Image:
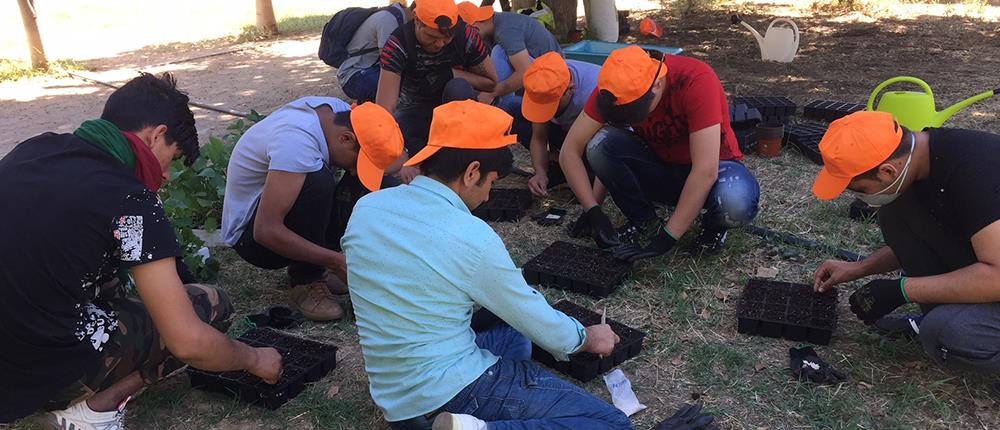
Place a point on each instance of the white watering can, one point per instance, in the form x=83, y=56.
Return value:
x=778, y=43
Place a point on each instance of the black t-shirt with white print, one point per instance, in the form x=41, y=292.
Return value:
x=71, y=216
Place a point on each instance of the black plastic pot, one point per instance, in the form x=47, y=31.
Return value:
x=576, y=268
x=304, y=361
x=828, y=110
x=791, y=311
x=585, y=366
x=505, y=204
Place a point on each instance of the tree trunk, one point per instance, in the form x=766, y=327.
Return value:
x=521, y=4
x=265, y=18
x=565, y=15
x=28, y=17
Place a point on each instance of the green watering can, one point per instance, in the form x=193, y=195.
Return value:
x=916, y=110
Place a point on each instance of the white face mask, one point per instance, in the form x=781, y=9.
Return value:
x=882, y=198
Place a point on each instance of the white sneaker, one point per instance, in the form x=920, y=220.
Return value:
x=81, y=417
x=450, y=421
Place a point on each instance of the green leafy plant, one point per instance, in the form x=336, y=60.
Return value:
x=192, y=199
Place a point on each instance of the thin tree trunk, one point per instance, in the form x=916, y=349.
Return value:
x=30, y=21
x=265, y=18
x=521, y=4
x=565, y=15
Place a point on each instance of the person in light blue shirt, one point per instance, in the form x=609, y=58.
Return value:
x=418, y=264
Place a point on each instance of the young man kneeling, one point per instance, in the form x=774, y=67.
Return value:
x=418, y=263
x=76, y=338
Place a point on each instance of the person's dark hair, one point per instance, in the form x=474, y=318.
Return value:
x=148, y=101
x=343, y=119
x=445, y=26
x=449, y=164
x=630, y=113
x=902, y=149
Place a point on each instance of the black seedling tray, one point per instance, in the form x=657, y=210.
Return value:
x=505, y=204
x=775, y=109
x=806, y=136
x=303, y=360
x=743, y=116
x=861, y=211
x=791, y=311
x=576, y=268
x=585, y=366
x=828, y=110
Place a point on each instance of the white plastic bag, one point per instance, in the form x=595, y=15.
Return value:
x=621, y=392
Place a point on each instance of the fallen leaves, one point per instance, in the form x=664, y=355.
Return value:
x=759, y=366
x=705, y=314
x=767, y=272
x=333, y=391
x=677, y=361
x=722, y=296
x=862, y=385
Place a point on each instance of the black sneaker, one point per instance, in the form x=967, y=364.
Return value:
x=711, y=240
x=898, y=326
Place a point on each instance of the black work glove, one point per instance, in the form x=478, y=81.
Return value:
x=660, y=243
x=595, y=223
x=689, y=417
x=808, y=367
x=877, y=299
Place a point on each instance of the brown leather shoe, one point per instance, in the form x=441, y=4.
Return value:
x=315, y=302
x=334, y=284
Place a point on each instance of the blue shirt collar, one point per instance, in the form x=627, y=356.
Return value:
x=440, y=189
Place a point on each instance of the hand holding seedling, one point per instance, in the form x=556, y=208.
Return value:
x=539, y=184
x=601, y=340
x=877, y=299
x=266, y=365
x=833, y=272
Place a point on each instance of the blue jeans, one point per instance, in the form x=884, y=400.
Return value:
x=517, y=394
x=363, y=84
x=636, y=177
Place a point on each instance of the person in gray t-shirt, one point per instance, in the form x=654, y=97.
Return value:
x=358, y=75
x=517, y=40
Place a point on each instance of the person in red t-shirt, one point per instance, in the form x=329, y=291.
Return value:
x=657, y=130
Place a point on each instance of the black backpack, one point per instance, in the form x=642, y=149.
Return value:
x=337, y=33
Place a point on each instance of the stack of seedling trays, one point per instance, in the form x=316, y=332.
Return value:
x=505, y=204
x=772, y=109
x=827, y=110
x=806, y=136
x=577, y=268
x=303, y=361
x=791, y=311
x=744, y=120
x=585, y=366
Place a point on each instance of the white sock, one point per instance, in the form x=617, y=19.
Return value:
x=469, y=422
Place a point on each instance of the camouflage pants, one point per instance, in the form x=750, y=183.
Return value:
x=137, y=347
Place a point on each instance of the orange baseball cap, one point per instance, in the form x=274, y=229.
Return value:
x=466, y=124
x=472, y=14
x=628, y=73
x=380, y=140
x=545, y=82
x=428, y=11
x=854, y=145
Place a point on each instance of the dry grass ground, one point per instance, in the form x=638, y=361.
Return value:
x=686, y=303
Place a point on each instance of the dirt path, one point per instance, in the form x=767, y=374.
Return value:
x=255, y=75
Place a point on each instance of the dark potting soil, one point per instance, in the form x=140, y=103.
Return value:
x=303, y=361
x=792, y=311
x=576, y=268
x=505, y=204
x=586, y=366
